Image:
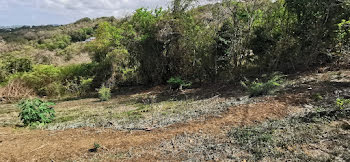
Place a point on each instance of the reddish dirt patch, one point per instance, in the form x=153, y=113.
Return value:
x=41, y=145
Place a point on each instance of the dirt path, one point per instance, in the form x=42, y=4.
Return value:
x=41, y=145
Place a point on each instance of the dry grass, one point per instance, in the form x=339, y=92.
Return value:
x=192, y=125
x=74, y=143
x=14, y=91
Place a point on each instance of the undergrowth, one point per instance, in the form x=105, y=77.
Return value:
x=265, y=86
x=286, y=139
x=104, y=93
x=36, y=112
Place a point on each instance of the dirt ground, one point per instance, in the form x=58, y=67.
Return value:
x=209, y=121
x=41, y=145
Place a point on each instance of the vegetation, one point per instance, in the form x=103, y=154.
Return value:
x=177, y=83
x=36, y=112
x=95, y=148
x=214, y=46
x=342, y=103
x=224, y=41
x=104, y=93
x=258, y=88
x=284, y=139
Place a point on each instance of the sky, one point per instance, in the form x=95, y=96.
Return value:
x=43, y=12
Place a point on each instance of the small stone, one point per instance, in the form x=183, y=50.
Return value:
x=148, y=129
x=308, y=106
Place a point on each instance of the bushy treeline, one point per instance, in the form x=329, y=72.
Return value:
x=223, y=41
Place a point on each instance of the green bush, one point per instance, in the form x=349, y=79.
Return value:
x=79, y=70
x=57, y=42
x=15, y=65
x=36, y=112
x=52, y=81
x=178, y=83
x=70, y=51
x=342, y=103
x=79, y=86
x=45, y=79
x=259, y=88
x=12, y=65
x=81, y=34
x=3, y=73
x=104, y=93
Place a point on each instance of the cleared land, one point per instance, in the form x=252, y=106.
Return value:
x=212, y=123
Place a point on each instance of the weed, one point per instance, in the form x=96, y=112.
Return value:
x=342, y=103
x=317, y=97
x=177, y=83
x=36, y=112
x=66, y=119
x=285, y=139
x=259, y=88
x=258, y=142
x=104, y=93
x=95, y=148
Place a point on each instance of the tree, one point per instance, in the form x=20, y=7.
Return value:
x=108, y=51
x=315, y=26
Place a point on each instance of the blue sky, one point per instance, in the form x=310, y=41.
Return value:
x=41, y=12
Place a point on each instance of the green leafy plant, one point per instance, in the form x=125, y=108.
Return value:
x=95, y=148
x=36, y=111
x=178, y=83
x=259, y=88
x=342, y=103
x=104, y=93
x=317, y=97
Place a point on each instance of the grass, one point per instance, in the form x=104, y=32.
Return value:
x=66, y=119
x=318, y=137
x=120, y=110
x=134, y=114
x=296, y=138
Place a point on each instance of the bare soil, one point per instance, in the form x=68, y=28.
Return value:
x=41, y=145
x=194, y=124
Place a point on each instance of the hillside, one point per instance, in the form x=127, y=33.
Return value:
x=212, y=123
x=232, y=81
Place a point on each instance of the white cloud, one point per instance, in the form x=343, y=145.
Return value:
x=85, y=8
x=96, y=8
x=67, y=11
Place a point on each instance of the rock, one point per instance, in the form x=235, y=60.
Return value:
x=308, y=106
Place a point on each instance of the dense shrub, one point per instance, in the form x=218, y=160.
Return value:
x=79, y=86
x=45, y=79
x=216, y=42
x=36, y=112
x=343, y=39
x=104, y=93
x=79, y=70
x=258, y=88
x=81, y=34
x=48, y=80
x=70, y=51
x=178, y=83
x=83, y=20
x=3, y=72
x=15, y=65
x=11, y=65
x=57, y=42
